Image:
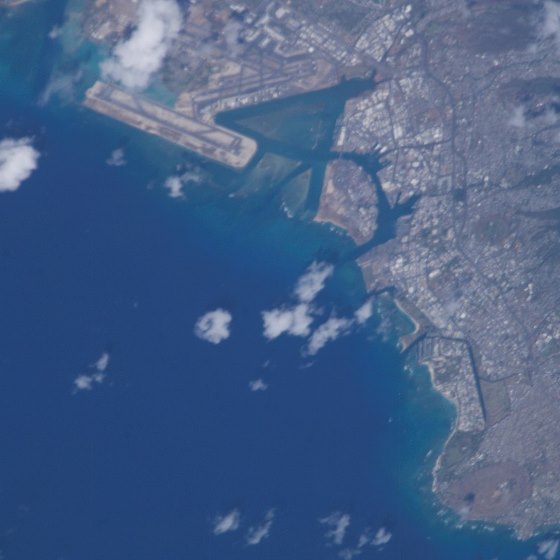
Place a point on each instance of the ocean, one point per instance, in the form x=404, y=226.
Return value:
x=98, y=259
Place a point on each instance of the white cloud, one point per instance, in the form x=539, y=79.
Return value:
x=313, y=281
x=365, y=538
x=548, y=549
x=226, y=523
x=551, y=24
x=18, y=159
x=260, y=532
x=103, y=361
x=55, y=32
x=83, y=382
x=368, y=538
x=330, y=330
x=277, y=322
x=214, y=326
x=137, y=59
x=175, y=183
x=365, y=312
x=86, y=381
x=175, y=186
x=301, y=320
x=258, y=385
x=294, y=320
x=338, y=523
x=517, y=120
x=297, y=319
x=116, y=159
x=382, y=537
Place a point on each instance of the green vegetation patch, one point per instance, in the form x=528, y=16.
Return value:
x=459, y=448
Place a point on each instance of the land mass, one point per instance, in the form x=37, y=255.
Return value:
x=465, y=116
x=209, y=140
x=224, y=58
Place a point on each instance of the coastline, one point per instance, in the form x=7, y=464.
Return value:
x=410, y=316
x=404, y=343
x=459, y=471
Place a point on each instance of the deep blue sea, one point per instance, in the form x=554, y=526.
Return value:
x=97, y=259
